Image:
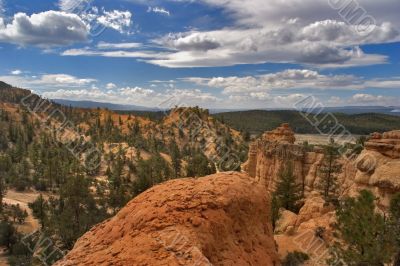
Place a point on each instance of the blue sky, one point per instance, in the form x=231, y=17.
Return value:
x=212, y=53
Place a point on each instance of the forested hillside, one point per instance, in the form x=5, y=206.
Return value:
x=257, y=122
x=85, y=164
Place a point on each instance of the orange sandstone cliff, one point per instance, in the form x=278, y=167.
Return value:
x=272, y=152
x=222, y=219
x=377, y=169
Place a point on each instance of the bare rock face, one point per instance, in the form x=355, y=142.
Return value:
x=281, y=134
x=387, y=144
x=272, y=152
x=378, y=167
x=220, y=219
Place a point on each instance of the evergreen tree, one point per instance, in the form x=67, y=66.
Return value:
x=275, y=214
x=40, y=210
x=288, y=192
x=76, y=210
x=395, y=220
x=3, y=185
x=176, y=159
x=367, y=237
x=199, y=165
x=329, y=170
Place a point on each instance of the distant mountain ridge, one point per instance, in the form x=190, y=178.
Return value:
x=123, y=107
x=110, y=106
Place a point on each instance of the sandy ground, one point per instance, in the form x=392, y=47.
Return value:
x=23, y=198
x=31, y=224
x=305, y=242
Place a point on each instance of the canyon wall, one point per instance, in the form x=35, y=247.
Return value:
x=377, y=169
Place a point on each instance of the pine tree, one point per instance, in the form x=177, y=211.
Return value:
x=76, y=210
x=367, y=237
x=40, y=210
x=288, y=192
x=275, y=214
x=329, y=170
x=176, y=159
x=199, y=165
x=395, y=220
x=4, y=166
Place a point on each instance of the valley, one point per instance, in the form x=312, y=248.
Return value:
x=71, y=176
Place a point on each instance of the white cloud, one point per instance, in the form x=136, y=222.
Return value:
x=116, y=19
x=48, y=81
x=46, y=29
x=111, y=86
x=16, y=72
x=115, y=53
x=371, y=99
x=326, y=44
x=289, y=100
x=293, y=79
x=288, y=79
x=135, y=95
x=159, y=10
x=74, y=6
x=63, y=80
x=97, y=19
x=334, y=100
x=258, y=13
x=129, y=45
x=308, y=33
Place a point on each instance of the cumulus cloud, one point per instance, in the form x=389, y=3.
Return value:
x=289, y=100
x=190, y=42
x=116, y=19
x=373, y=99
x=16, y=72
x=134, y=95
x=110, y=86
x=63, y=80
x=310, y=33
x=324, y=43
x=257, y=13
x=288, y=79
x=327, y=44
x=46, y=29
x=47, y=81
x=97, y=19
x=362, y=98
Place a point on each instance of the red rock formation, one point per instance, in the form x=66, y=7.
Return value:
x=215, y=220
x=387, y=144
x=274, y=151
x=378, y=167
x=281, y=134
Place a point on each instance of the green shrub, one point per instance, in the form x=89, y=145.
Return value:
x=295, y=258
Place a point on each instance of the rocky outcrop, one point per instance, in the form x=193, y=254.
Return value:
x=387, y=144
x=378, y=167
x=275, y=150
x=283, y=134
x=215, y=220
